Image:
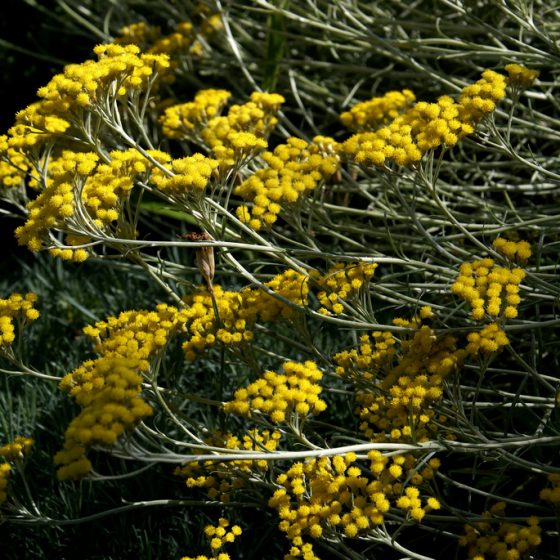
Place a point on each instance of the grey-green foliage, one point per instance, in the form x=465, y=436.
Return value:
x=324, y=56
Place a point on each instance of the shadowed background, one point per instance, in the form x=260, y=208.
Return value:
x=32, y=49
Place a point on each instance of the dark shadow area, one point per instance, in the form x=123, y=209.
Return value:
x=33, y=47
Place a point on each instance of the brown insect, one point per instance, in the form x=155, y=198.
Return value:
x=204, y=257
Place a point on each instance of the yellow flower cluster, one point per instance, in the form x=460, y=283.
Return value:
x=404, y=409
x=108, y=389
x=519, y=76
x=17, y=449
x=188, y=119
x=231, y=139
x=510, y=541
x=479, y=99
x=489, y=339
x=119, y=70
x=231, y=147
x=34, y=127
x=323, y=495
x=177, y=43
x=410, y=503
x=489, y=289
x=514, y=251
x=340, y=283
x=14, y=166
x=292, y=169
x=14, y=451
x=372, y=114
x=257, y=115
x=183, y=40
x=56, y=203
x=191, y=174
x=240, y=135
x=4, y=476
x=426, y=126
x=141, y=34
x=218, y=536
x=79, y=254
x=16, y=307
x=238, y=311
x=397, y=391
x=391, y=143
x=280, y=396
x=375, y=355
x=211, y=22
x=231, y=327
x=332, y=495
x=552, y=494
x=13, y=172
x=290, y=284
x=133, y=335
x=492, y=291
x=401, y=479
x=106, y=190
x=221, y=479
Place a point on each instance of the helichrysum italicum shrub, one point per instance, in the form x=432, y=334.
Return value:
x=365, y=307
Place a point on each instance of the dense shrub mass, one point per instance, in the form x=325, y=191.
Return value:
x=295, y=285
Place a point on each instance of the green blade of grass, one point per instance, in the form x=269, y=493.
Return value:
x=275, y=47
x=167, y=211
